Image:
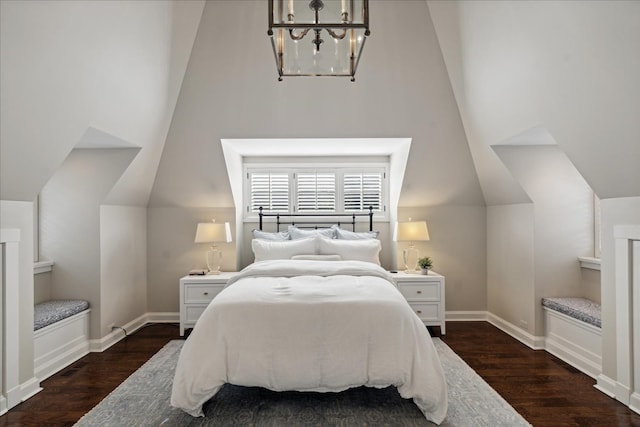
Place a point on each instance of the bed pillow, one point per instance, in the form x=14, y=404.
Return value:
x=259, y=234
x=352, y=250
x=350, y=235
x=318, y=257
x=282, y=249
x=299, y=233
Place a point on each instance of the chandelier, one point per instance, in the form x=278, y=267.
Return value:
x=318, y=38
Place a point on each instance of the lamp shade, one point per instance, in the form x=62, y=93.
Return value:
x=212, y=232
x=411, y=231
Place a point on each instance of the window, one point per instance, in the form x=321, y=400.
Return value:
x=309, y=189
x=361, y=190
x=315, y=191
x=269, y=191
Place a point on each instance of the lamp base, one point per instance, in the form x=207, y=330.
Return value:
x=214, y=259
x=410, y=257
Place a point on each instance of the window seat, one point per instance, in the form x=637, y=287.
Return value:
x=582, y=309
x=61, y=335
x=572, y=330
x=49, y=312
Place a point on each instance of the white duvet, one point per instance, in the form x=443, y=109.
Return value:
x=321, y=326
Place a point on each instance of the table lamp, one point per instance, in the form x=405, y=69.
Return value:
x=213, y=232
x=411, y=231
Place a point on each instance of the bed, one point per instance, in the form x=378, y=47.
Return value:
x=301, y=318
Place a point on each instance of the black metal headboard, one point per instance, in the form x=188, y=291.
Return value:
x=314, y=224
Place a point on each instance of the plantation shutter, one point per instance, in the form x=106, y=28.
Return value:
x=361, y=190
x=269, y=190
x=316, y=192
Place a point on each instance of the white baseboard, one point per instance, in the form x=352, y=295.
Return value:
x=466, y=316
x=101, y=344
x=634, y=403
x=163, y=317
x=532, y=341
x=20, y=393
x=30, y=388
x=606, y=385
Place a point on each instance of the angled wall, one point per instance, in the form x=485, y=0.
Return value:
x=70, y=223
x=558, y=225
x=231, y=91
x=68, y=65
x=570, y=67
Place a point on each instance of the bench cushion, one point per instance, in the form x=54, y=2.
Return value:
x=579, y=308
x=50, y=312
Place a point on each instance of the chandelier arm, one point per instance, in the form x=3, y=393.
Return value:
x=299, y=36
x=336, y=35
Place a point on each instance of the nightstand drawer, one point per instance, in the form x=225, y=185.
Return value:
x=423, y=291
x=193, y=312
x=426, y=312
x=200, y=294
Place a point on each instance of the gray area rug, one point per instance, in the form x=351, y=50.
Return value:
x=143, y=400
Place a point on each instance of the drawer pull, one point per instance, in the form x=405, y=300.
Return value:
x=419, y=311
x=206, y=293
x=419, y=292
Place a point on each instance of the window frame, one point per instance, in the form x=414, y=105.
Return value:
x=338, y=168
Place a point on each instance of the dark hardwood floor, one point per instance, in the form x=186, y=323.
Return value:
x=545, y=390
x=541, y=387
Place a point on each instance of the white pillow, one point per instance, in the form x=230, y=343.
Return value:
x=317, y=257
x=259, y=234
x=298, y=233
x=282, y=249
x=352, y=250
x=350, y=235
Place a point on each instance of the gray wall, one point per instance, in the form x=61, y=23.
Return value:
x=70, y=224
x=231, y=91
x=66, y=67
x=172, y=253
x=123, y=265
x=515, y=66
x=563, y=224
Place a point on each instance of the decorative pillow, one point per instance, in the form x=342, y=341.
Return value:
x=282, y=249
x=259, y=234
x=350, y=235
x=299, y=233
x=318, y=257
x=352, y=250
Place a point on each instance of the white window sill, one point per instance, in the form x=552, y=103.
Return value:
x=589, y=262
x=42, y=267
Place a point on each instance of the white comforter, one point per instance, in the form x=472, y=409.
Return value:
x=310, y=326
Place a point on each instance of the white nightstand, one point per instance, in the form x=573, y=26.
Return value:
x=425, y=295
x=196, y=292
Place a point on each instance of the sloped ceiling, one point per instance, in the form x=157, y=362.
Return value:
x=569, y=67
x=71, y=66
x=231, y=90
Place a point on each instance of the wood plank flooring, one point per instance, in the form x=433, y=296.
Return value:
x=545, y=390
x=541, y=387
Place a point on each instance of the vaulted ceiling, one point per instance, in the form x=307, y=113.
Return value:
x=174, y=78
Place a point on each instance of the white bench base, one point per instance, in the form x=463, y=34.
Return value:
x=574, y=341
x=60, y=344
